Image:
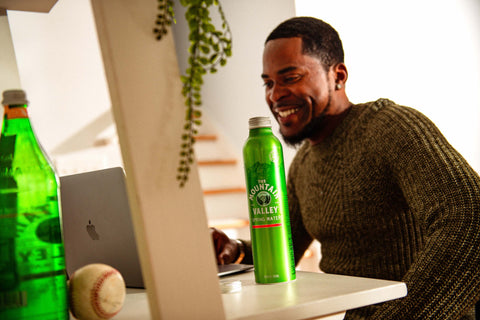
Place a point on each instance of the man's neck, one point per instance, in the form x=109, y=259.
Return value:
x=332, y=122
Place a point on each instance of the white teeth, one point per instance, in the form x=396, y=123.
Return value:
x=288, y=112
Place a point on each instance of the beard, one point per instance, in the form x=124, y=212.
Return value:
x=309, y=130
x=315, y=125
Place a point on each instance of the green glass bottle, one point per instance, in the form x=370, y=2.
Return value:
x=33, y=282
x=268, y=205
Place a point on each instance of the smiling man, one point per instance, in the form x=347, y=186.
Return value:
x=376, y=183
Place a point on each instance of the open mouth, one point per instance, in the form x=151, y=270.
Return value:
x=286, y=113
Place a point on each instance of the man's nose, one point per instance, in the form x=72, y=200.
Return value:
x=277, y=92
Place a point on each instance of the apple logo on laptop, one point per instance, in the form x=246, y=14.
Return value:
x=91, y=231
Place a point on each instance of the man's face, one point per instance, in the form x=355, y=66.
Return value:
x=298, y=90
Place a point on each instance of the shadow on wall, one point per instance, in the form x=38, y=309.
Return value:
x=93, y=134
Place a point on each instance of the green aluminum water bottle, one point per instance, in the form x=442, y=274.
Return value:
x=268, y=206
x=33, y=282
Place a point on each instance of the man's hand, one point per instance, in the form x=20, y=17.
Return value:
x=226, y=249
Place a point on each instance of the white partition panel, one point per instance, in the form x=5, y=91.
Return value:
x=170, y=222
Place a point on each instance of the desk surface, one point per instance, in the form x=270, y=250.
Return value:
x=311, y=295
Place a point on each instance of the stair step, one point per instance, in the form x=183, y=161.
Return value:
x=213, y=177
x=220, y=162
x=228, y=223
x=206, y=137
x=224, y=191
x=226, y=206
x=212, y=150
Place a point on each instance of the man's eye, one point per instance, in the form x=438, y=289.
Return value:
x=292, y=79
x=268, y=84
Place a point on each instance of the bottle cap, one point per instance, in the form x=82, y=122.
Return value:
x=259, y=122
x=14, y=97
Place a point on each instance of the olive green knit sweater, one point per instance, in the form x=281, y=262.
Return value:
x=388, y=197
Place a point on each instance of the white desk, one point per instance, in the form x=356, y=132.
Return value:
x=320, y=295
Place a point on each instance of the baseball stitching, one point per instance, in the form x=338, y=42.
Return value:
x=95, y=295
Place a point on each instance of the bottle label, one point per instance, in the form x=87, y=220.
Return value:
x=265, y=209
x=10, y=300
x=16, y=112
x=41, y=247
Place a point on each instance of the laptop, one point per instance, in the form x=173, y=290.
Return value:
x=97, y=225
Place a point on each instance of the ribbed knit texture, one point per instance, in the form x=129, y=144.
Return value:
x=388, y=197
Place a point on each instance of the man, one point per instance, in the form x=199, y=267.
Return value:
x=376, y=183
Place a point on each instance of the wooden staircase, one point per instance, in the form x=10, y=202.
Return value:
x=222, y=180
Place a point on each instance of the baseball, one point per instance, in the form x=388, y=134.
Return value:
x=96, y=292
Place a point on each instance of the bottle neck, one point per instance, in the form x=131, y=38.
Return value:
x=15, y=112
x=15, y=120
x=260, y=131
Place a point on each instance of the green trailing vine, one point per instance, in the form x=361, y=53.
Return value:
x=165, y=17
x=209, y=49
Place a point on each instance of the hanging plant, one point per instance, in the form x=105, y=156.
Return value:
x=209, y=49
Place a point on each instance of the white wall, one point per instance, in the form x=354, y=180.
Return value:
x=424, y=54
x=60, y=68
x=9, y=77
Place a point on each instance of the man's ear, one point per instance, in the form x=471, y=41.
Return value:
x=340, y=73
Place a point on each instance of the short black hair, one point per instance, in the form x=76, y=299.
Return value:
x=319, y=39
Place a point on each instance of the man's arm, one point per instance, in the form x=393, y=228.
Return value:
x=226, y=250
x=443, y=192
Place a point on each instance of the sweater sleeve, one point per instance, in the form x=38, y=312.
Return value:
x=443, y=192
x=300, y=236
